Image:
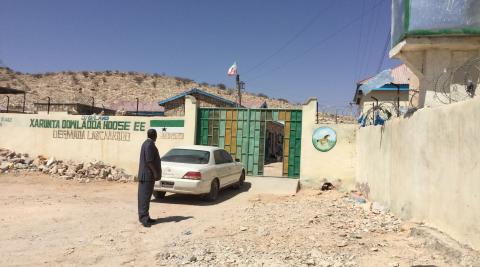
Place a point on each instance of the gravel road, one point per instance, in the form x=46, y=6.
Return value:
x=49, y=221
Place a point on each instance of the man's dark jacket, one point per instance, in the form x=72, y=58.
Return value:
x=149, y=153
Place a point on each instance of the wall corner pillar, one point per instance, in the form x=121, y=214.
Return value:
x=309, y=110
x=191, y=109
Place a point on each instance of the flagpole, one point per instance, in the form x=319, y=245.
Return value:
x=239, y=91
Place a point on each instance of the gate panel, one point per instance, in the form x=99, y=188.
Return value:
x=233, y=148
x=295, y=144
x=242, y=132
x=222, y=126
x=286, y=147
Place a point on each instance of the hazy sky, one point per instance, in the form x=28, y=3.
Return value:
x=291, y=49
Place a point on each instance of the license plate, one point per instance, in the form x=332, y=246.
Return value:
x=167, y=184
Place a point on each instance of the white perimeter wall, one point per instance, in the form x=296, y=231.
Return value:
x=336, y=164
x=17, y=133
x=427, y=168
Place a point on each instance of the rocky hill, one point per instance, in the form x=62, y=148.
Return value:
x=112, y=89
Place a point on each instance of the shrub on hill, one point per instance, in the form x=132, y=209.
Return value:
x=262, y=95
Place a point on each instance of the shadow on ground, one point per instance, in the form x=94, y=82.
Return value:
x=168, y=219
x=224, y=195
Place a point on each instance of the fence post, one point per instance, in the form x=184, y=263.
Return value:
x=24, y=98
x=136, y=113
x=48, y=105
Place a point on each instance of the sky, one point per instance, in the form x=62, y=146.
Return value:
x=292, y=49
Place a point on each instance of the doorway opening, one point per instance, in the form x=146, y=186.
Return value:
x=273, y=163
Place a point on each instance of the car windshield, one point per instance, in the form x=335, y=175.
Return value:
x=187, y=156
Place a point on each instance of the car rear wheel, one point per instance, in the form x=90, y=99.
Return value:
x=240, y=182
x=214, y=189
x=159, y=194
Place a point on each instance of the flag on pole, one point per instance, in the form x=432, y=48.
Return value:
x=232, y=71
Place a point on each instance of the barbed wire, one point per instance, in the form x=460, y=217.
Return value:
x=458, y=83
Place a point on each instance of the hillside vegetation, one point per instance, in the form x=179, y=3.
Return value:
x=112, y=89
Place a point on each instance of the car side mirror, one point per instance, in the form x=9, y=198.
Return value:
x=237, y=160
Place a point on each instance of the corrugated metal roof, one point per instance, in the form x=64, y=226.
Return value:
x=197, y=91
x=10, y=91
x=254, y=103
x=400, y=74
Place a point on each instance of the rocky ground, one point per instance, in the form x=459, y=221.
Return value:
x=50, y=221
x=113, y=89
x=319, y=229
x=84, y=172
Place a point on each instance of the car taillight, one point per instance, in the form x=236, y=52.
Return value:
x=192, y=176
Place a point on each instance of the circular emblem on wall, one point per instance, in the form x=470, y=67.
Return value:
x=324, y=138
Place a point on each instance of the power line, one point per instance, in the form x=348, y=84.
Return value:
x=357, y=61
x=382, y=59
x=368, y=47
x=294, y=37
x=344, y=27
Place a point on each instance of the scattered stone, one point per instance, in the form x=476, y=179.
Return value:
x=69, y=251
x=82, y=171
x=377, y=208
x=50, y=162
x=327, y=186
x=54, y=170
x=243, y=228
x=4, y=166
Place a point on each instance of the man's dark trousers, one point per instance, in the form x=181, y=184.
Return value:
x=145, y=190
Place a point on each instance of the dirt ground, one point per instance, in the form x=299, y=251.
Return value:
x=48, y=221
x=273, y=169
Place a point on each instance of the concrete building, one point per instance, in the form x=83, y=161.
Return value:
x=434, y=39
x=387, y=95
x=274, y=130
x=425, y=168
x=175, y=105
x=11, y=91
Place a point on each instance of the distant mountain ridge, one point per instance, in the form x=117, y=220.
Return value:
x=113, y=89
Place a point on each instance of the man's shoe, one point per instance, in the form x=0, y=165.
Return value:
x=146, y=224
x=151, y=221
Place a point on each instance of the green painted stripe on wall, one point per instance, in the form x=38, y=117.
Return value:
x=167, y=123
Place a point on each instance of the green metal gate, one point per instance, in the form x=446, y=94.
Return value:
x=242, y=133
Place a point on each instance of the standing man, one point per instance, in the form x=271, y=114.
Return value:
x=149, y=171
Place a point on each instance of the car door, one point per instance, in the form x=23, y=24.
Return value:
x=230, y=164
x=221, y=168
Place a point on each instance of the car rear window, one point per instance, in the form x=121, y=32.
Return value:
x=187, y=156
